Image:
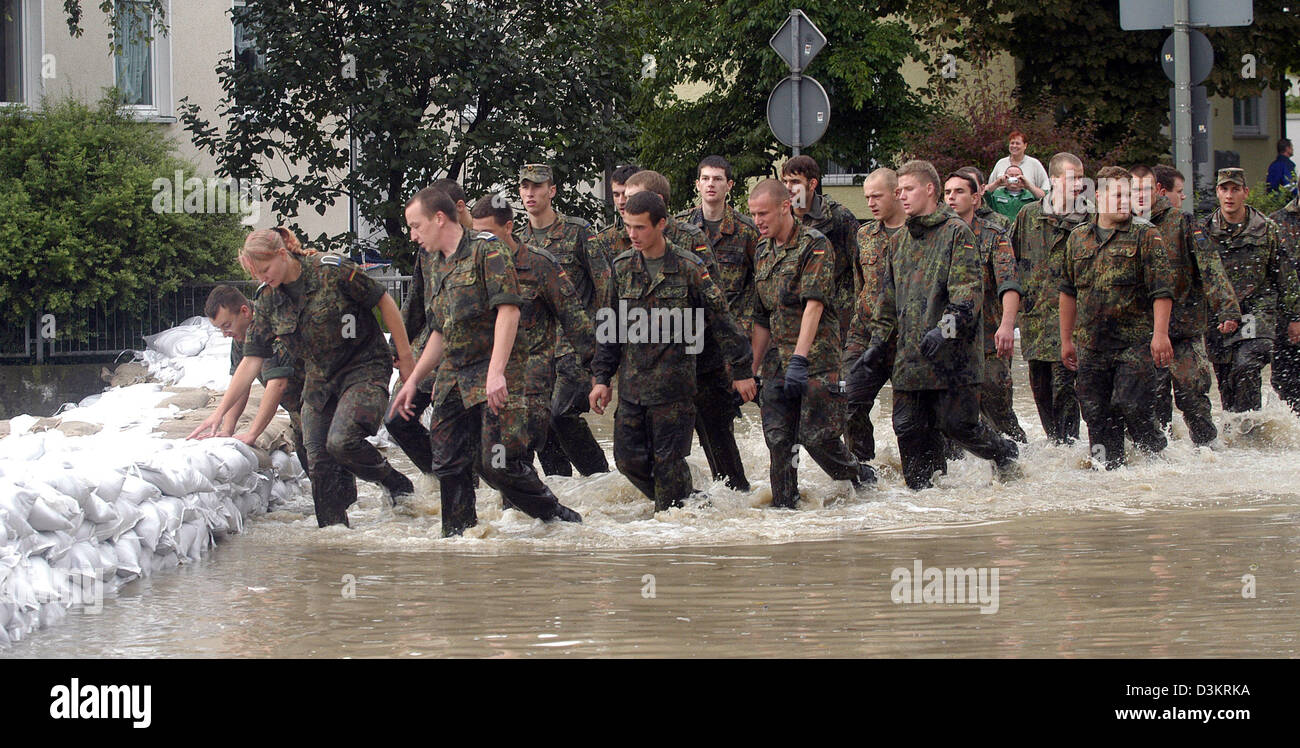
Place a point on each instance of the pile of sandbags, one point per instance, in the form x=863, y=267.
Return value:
x=192, y=354
x=73, y=529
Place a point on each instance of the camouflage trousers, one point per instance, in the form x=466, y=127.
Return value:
x=1053, y=386
x=1286, y=372
x=815, y=421
x=1117, y=390
x=650, y=447
x=996, y=397
x=299, y=446
x=1189, y=377
x=923, y=419
x=862, y=388
x=570, y=443
x=1242, y=375
x=462, y=439
x=334, y=434
x=715, y=415
x=411, y=435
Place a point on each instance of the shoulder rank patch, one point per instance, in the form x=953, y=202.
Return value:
x=258, y=292
x=330, y=259
x=487, y=236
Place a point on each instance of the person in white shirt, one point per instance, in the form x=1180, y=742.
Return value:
x=1035, y=176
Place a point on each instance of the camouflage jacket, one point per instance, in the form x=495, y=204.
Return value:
x=571, y=240
x=281, y=365
x=733, y=249
x=1261, y=273
x=933, y=278
x=840, y=227
x=644, y=310
x=1287, y=219
x=1038, y=239
x=547, y=299
x=326, y=318
x=468, y=287
x=873, y=247
x=1000, y=275
x=988, y=214
x=1198, y=274
x=1115, y=275
x=786, y=278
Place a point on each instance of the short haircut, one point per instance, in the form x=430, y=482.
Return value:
x=1017, y=134
x=715, y=162
x=925, y=171
x=621, y=174
x=804, y=166
x=224, y=297
x=888, y=175
x=489, y=207
x=773, y=188
x=965, y=177
x=1283, y=144
x=1142, y=171
x=1167, y=175
x=1112, y=174
x=433, y=200
x=647, y=201
x=452, y=188
x=1056, y=167
x=652, y=181
x=974, y=173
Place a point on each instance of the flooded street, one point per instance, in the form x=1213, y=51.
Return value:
x=1145, y=561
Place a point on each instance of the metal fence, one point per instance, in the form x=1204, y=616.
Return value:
x=112, y=334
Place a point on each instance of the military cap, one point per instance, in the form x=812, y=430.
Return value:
x=538, y=173
x=1232, y=174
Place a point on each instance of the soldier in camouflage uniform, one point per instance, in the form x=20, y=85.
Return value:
x=1001, y=287
x=796, y=341
x=1286, y=355
x=1117, y=281
x=932, y=297
x=472, y=326
x=1250, y=247
x=570, y=240
x=410, y=434
x=548, y=302
x=1038, y=238
x=320, y=307
x=1198, y=277
x=656, y=380
x=802, y=177
x=282, y=374
x=607, y=238
x=881, y=192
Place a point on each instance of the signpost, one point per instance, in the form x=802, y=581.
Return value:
x=798, y=111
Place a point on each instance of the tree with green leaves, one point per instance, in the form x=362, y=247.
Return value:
x=421, y=89
x=720, y=49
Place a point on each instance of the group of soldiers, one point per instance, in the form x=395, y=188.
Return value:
x=520, y=329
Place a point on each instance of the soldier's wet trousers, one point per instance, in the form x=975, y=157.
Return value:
x=650, y=447
x=996, y=397
x=814, y=421
x=299, y=446
x=411, y=435
x=1055, y=397
x=570, y=439
x=924, y=418
x=715, y=414
x=862, y=390
x=1286, y=373
x=1117, y=390
x=334, y=434
x=1241, y=378
x=1188, y=377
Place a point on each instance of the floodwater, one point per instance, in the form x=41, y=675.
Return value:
x=1193, y=553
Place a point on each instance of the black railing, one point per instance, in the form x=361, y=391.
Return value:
x=111, y=334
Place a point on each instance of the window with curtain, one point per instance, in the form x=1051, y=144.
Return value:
x=133, y=58
x=11, y=53
x=1247, y=117
x=248, y=54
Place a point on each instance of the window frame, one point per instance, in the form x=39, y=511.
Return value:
x=31, y=35
x=163, y=108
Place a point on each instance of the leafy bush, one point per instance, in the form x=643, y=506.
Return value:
x=1265, y=201
x=78, y=229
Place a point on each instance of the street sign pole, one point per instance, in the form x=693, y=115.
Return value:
x=1183, y=90
x=796, y=70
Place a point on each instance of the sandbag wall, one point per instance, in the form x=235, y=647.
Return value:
x=71, y=534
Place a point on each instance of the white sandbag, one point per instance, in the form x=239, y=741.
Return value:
x=4, y=531
x=7, y=611
x=84, y=531
x=137, y=490
x=97, y=510
x=234, y=519
x=36, y=544
x=56, y=544
x=150, y=527
x=127, y=548
x=49, y=514
x=203, y=462
x=192, y=540
x=82, y=561
x=285, y=464
x=173, y=474
x=280, y=492
x=19, y=593
x=23, y=447
x=174, y=511
x=231, y=464
x=109, y=483
x=107, y=560
x=164, y=561
x=53, y=613
x=15, y=506
x=68, y=483
x=43, y=585
x=128, y=515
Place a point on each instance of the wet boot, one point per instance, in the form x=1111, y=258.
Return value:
x=333, y=490
x=458, y=511
x=865, y=479
x=565, y=514
x=398, y=486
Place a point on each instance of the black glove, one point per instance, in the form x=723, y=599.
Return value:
x=932, y=342
x=796, y=376
x=870, y=359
